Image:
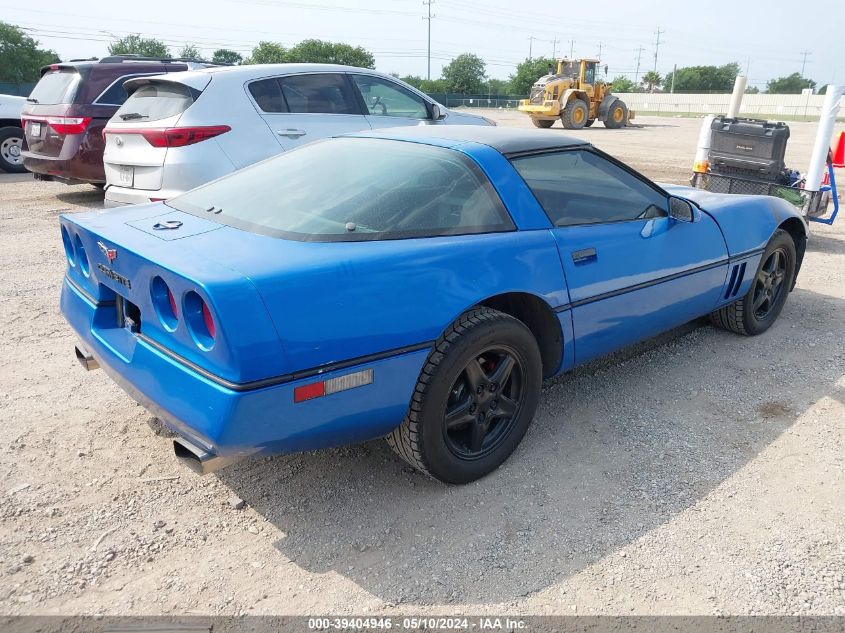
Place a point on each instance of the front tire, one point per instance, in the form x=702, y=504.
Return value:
x=11, y=144
x=575, y=115
x=755, y=312
x=474, y=400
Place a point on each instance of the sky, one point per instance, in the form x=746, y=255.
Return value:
x=770, y=39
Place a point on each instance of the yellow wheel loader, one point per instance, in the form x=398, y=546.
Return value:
x=573, y=95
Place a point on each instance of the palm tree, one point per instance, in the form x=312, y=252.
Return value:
x=652, y=80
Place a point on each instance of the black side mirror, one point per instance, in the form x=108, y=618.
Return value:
x=437, y=112
x=681, y=210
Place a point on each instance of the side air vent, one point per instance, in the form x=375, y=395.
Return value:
x=737, y=275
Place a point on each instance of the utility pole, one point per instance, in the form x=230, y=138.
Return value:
x=600, y=47
x=530, y=45
x=554, y=48
x=674, y=72
x=639, y=58
x=658, y=33
x=428, y=4
x=805, y=52
x=571, y=48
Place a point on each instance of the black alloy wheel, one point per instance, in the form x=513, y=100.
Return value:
x=483, y=403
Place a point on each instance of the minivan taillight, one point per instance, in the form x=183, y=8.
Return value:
x=68, y=124
x=173, y=136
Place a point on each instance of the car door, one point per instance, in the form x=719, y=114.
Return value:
x=388, y=104
x=306, y=107
x=632, y=271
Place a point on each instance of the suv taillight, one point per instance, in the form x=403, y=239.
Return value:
x=173, y=136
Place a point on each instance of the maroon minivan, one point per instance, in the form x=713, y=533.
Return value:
x=65, y=115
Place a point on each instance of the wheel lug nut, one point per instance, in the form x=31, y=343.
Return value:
x=480, y=389
x=494, y=404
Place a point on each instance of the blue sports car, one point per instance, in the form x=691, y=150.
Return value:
x=414, y=283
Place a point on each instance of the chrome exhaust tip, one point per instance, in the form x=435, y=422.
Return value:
x=85, y=358
x=199, y=459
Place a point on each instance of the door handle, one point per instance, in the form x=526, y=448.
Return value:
x=584, y=255
x=291, y=133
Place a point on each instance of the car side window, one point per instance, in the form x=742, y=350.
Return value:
x=324, y=93
x=582, y=187
x=385, y=98
x=268, y=95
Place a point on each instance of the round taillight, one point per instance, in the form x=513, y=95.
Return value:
x=200, y=320
x=164, y=303
x=68, y=247
x=81, y=257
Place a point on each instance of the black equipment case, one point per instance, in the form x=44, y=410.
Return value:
x=749, y=148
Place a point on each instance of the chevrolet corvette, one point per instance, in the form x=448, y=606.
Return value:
x=417, y=284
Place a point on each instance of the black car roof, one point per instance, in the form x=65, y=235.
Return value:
x=506, y=140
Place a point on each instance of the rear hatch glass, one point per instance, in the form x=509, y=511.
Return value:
x=58, y=86
x=155, y=101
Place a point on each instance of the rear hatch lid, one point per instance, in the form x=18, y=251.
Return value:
x=49, y=114
x=136, y=141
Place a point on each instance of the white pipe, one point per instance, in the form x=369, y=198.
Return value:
x=736, y=97
x=700, y=165
x=818, y=159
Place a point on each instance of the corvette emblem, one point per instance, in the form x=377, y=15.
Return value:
x=166, y=225
x=110, y=253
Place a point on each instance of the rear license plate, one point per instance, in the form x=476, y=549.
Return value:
x=125, y=175
x=35, y=128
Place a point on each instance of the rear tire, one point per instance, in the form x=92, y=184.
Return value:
x=574, y=115
x=543, y=123
x=755, y=312
x=589, y=122
x=617, y=115
x=11, y=144
x=476, y=395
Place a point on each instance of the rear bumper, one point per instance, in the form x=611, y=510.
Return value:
x=221, y=425
x=74, y=170
x=120, y=196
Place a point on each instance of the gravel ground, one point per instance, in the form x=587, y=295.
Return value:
x=701, y=473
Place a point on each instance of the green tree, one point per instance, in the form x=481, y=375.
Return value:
x=136, y=45
x=703, y=78
x=189, y=51
x=651, y=81
x=226, y=56
x=621, y=83
x=321, y=52
x=413, y=80
x=20, y=58
x=267, y=53
x=465, y=74
x=792, y=84
x=497, y=87
x=528, y=72
x=752, y=90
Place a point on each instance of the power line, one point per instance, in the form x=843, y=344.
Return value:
x=428, y=4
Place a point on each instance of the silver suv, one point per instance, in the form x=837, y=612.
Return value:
x=176, y=132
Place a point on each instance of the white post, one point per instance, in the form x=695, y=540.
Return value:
x=736, y=97
x=700, y=165
x=818, y=159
